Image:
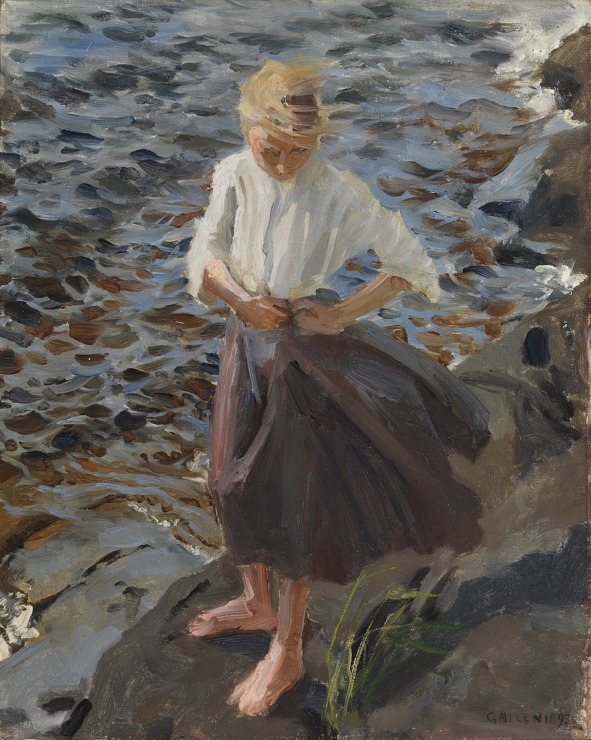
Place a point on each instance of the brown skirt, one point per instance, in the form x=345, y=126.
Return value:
x=329, y=451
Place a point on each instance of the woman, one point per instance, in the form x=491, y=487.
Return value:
x=329, y=437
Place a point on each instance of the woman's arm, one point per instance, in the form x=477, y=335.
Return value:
x=313, y=316
x=258, y=311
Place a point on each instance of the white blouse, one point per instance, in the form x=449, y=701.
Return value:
x=286, y=238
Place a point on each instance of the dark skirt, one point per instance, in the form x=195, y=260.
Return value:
x=329, y=451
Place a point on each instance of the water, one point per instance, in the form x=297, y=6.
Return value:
x=125, y=110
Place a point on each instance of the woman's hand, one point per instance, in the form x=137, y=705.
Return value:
x=262, y=312
x=313, y=317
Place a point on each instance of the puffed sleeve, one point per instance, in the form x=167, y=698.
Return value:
x=399, y=251
x=213, y=233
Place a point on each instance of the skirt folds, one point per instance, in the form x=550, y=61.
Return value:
x=329, y=451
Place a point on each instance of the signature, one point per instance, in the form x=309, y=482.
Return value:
x=559, y=719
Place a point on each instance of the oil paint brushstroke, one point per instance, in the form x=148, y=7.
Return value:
x=468, y=122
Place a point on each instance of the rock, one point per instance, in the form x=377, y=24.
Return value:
x=200, y=387
x=84, y=332
x=90, y=360
x=23, y=313
x=96, y=411
x=20, y=395
x=79, y=283
x=26, y=423
x=127, y=421
x=59, y=346
x=8, y=472
x=568, y=71
x=10, y=362
x=35, y=171
x=47, y=287
x=67, y=440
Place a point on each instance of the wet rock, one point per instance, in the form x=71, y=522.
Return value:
x=78, y=282
x=7, y=179
x=133, y=374
x=102, y=213
x=59, y=346
x=47, y=287
x=26, y=423
x=127, y=421
x=79, y=137
x=8, y=472
x=11, y=158
x=38, y=107
x=10, y=362
x=350, y=95
x=200, y=387
x=512, y=210
x=517, y=254
x=23, y=313
x=20, y=395
x=57, y=704
x=91, y=313
x=89, y=360
x=115, y=80
x=67, y=440
x=84, y=332
x=96, y=411
x=123, y=34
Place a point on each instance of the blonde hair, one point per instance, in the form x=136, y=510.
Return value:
x=284, y=98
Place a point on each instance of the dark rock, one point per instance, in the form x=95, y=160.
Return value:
x=76, y=719
x=8, y=471
x=66, y=440
x=133, y=374
x=90, y=360
x=10, y=362
x=123, y=34
x=516, y=254
x=47, y=287
x=79, y=283
x=489, y=56
x=85, y=190
x=512, y=210
x=20, y=395
x=87, y=266
x=12, y=159
x=350, y=95
x=535, y=348
x=78, y=136
x=105, y=214
x=35, y=171
x=58, y=704
x=115, y=80
x=26, y=423
x=23, y=313
x=96, y=411
x=128, y=421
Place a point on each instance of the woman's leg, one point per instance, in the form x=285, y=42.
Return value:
x=252, y=611
x=283, y=666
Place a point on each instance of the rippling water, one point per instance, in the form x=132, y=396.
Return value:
x=124, y=110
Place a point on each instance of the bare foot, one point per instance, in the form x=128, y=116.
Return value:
x=238, y=615
x=279, y=671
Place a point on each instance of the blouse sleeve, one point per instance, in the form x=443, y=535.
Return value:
x=213, y=233
x=399, y=251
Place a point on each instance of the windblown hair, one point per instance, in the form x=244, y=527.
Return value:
x=285, y=98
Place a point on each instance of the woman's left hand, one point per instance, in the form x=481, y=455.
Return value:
x=313, y=317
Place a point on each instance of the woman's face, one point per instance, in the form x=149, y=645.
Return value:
x=280, y=158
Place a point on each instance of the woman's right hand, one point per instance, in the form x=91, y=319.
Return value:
x=262, y=312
